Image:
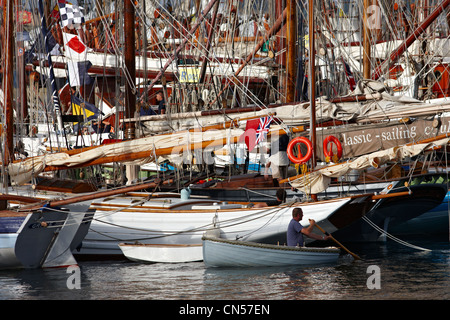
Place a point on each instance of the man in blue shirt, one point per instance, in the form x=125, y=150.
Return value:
x=296, y=231
x=161, y=103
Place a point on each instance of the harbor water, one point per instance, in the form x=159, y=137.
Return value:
x=386, y=271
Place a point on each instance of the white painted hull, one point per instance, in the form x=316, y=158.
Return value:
x=175, y=221
x=231, y=253
x=164, y=253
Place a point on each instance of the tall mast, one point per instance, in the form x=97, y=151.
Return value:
x=312, y=81
x=131, y=171
x=291, y=49
x=22, y=109
x=130, y=64
x=209, y=41
x=8, y=79
x=366, y=42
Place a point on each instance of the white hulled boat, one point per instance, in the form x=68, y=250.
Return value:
x=233, y=253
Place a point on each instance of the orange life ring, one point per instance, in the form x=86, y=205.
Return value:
x=329, y=152
x=299, y=158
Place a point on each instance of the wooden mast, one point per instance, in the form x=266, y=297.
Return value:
x=130, y=63
x=131, y=171
x=22, y=98
x=312, y=82
x=291, y=50
x=312, y=87
x=8, y=79
x=366, y=42
x=209, y=41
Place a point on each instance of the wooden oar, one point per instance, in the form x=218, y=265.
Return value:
x=340, y=244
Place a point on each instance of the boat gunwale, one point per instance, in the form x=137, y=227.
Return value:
x=161, y=245
x=104, y=206
x=12, y=214
x=271, y=246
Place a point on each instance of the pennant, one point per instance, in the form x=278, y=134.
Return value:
x=255, y=131
x=54, y=93
x=71, y=15
x=65, y=97
x=78, y=73
x=86, y=109
x=54, y=15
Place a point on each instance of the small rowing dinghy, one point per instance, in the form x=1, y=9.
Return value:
x=234, y=253
x=166, y=253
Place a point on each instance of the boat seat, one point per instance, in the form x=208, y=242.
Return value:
x=217, y=206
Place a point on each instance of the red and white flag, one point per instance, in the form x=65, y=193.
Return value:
x=255, y=131
x=74, y=48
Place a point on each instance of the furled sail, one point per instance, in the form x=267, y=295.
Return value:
x=317, y=181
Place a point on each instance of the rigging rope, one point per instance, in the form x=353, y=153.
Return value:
x=391, y=236
x=250, y=95
x=210, y=226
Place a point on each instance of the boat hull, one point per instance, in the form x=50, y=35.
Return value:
x=231, y=253
x=178, y=221
x=434, y=223
x=394, y=212
x=167, y=253
x=42, y=239
x=424, y=216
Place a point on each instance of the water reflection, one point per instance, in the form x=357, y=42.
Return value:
x=405, y=274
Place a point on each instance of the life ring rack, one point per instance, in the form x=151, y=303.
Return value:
x=299, y=159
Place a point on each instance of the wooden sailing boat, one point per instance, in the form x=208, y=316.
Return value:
x=235, y=220
x=39, y=237
x=118, y=225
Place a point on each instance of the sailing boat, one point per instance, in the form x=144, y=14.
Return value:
x=38, y=237
x=114, y=214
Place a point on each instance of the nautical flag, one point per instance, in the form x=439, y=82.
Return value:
x=78, y=73
x=24, y=17
x=263, y=129
x=74, y=48
x=77, y=65
x=349, y=75
x=54, y=15
x=71, y=15
x=85, y=109
x=51, y=71
x=51, y=44
x=255, y=131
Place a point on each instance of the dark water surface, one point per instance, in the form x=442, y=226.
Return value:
x=404, y=273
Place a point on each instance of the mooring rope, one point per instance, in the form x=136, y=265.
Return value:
x=391, y=236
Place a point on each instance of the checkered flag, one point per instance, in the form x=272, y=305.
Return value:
x=70, y=14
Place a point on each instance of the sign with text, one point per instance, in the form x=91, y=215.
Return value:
x=363, y=141
x=189, y=74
